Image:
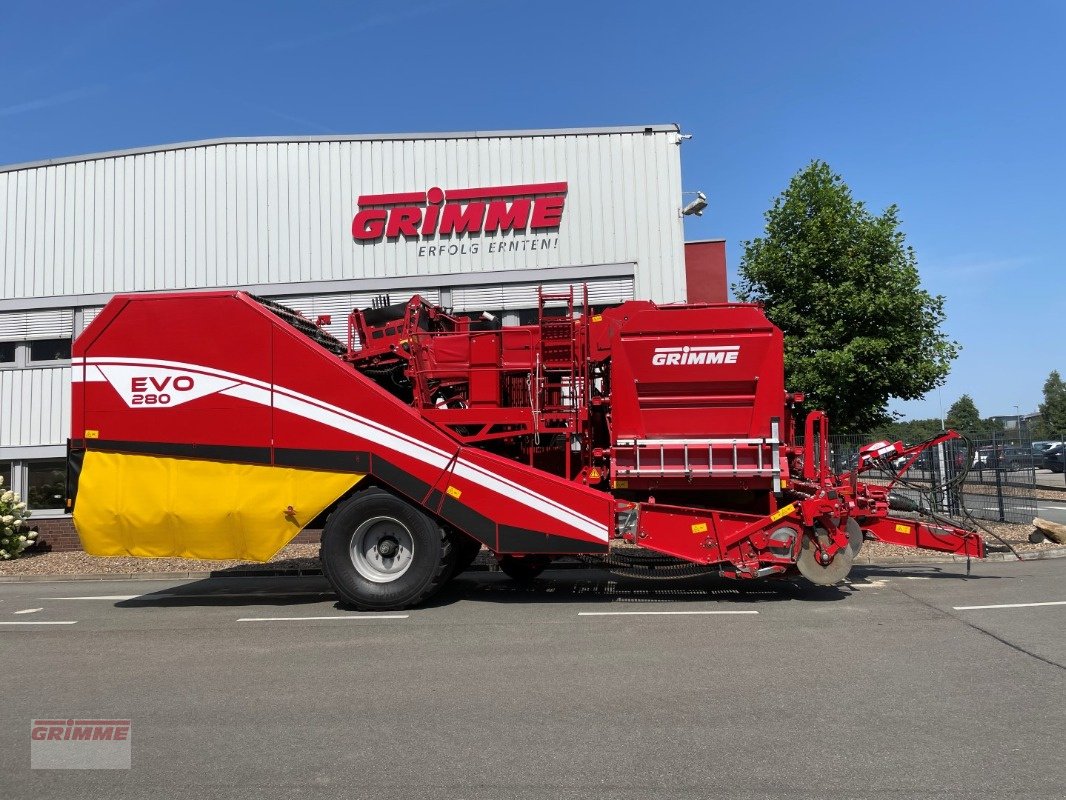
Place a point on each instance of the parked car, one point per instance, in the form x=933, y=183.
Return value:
x=1053, y=458
x=930, y=459
x=1007, y=457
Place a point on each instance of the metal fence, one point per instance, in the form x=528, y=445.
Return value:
x=995, y=479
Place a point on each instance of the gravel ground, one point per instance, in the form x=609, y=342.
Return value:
x=293, y=556
x=1049, y=494
x=305, y=557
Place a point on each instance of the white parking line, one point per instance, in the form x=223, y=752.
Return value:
x=43, y=622
x=98, y=597
x=1011, y=605
x=199, y=596
x=654, y=613
x=303, y=619
x=28, y=611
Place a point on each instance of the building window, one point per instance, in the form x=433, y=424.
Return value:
x=7, y=352
x=46, y=484
x=5, y=473
x=50, y=350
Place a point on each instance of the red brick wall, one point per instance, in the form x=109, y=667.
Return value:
x=308, y=536
x=705, y=272
x=57, y=535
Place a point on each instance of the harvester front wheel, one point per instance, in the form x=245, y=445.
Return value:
x=380, y=553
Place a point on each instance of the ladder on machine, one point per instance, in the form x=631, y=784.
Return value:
x=561, y=390
x=558, y=361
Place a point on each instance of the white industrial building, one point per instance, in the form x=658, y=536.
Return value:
x=280, y=217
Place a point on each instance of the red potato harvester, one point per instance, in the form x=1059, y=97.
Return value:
x=219, y=424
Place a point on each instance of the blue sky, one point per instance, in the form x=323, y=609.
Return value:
x=954, y=111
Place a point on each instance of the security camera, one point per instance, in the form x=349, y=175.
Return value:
x=696, y=206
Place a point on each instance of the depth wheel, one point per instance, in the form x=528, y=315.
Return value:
x=523, y=568
x=380, y=553
x=810, y=566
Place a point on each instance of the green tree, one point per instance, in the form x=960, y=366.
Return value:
x=963, y=416
x=1053, y=409
x=909, y=431
x=844, y=287
x=990, y=425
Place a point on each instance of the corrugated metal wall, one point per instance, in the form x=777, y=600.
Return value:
x=515, y=296
x=40, y=399
x=268, y=212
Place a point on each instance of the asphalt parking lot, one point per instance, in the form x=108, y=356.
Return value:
x=1049, y=479
x=909, y=682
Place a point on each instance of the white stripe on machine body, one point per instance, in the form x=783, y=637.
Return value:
x=262, y=393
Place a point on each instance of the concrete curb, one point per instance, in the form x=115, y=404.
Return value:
x=482, y=566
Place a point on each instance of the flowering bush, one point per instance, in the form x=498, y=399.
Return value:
x=15, y=536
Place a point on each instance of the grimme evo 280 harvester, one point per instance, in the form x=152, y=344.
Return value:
x=219, y=424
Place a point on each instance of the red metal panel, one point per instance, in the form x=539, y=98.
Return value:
x=704, y=371
x=243, y=385
x=705, y=272
x=154, y=341
x=544, y=513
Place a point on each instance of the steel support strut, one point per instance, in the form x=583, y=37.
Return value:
x=927, y=536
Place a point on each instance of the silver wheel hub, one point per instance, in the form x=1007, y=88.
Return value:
x=381, y=549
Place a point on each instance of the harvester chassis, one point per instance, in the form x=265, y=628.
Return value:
x=429, y=435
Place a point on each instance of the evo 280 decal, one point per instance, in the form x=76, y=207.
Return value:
x=152, y=383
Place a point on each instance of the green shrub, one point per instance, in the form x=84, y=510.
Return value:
x=15, y=535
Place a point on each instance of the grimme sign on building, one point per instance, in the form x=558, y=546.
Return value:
x=437, y=217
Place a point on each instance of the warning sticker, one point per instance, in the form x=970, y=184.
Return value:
x=903, y=529
x=699, y=527
x=782, y=512
x=453, y=492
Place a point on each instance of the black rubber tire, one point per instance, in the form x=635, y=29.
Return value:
x=466, y=550
x=432, y=562
x=523, y=568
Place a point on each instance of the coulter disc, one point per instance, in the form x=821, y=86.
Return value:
x=836, y=570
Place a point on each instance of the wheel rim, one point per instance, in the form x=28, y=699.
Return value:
x=382, y=549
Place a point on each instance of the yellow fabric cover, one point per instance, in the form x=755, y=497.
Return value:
x=153, y=507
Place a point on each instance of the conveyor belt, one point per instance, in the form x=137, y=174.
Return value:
x=303, y=325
